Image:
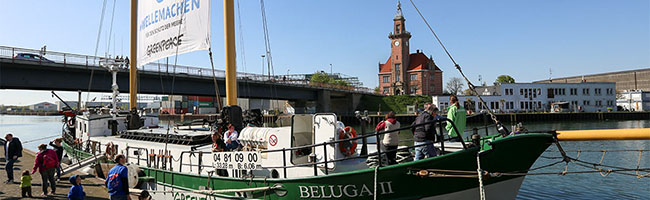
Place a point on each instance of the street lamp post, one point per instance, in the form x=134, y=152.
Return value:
x=263, y=64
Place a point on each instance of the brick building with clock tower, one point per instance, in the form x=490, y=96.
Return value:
x=405, y=72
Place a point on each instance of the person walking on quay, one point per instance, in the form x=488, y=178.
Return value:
x=13, y=151
x=46, y=162
x=26, y=184
x=117, y=180
x=458, y=115
x=391, y=140
x=58, y=148
x=424, y=135
x=76, y=191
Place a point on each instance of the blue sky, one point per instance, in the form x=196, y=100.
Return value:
x=521, y=38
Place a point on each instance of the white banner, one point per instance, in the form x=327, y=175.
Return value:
x=158, y=28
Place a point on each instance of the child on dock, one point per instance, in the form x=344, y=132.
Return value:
x=76, y=191
x=26, y=184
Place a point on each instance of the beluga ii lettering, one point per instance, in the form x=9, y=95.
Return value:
x=344, y=191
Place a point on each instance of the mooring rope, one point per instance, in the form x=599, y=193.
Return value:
x=375, y=190
x=480, y=175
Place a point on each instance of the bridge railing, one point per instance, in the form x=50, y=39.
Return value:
x=179, y=70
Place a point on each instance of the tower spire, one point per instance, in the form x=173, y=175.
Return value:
x=398, y=14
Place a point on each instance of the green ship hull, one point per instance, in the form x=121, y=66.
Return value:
x=510, y=154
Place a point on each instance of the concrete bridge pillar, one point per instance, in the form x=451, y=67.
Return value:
x=323, y=102
x=300, y=106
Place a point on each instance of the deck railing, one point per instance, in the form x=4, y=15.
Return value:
x=441, y=139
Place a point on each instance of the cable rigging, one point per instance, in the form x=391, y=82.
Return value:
x=502, y=129
x=99, y=33
x=269, y=58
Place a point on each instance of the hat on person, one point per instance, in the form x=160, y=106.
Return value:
x=73, y=179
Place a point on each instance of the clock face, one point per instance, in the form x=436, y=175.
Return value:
x=396, y=43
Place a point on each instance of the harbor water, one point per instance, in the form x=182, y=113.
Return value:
x=35, y=130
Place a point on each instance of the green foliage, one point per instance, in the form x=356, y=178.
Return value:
x=505, y=79
x=395, y=103
x=321, y=77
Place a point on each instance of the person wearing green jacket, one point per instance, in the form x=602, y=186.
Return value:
x=458, y=115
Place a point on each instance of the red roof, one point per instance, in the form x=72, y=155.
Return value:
x=386, y=68
x=417, y=61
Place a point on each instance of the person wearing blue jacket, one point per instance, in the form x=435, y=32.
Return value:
x=76, y=191
x=117, y=180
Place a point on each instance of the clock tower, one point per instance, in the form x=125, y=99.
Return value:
x=399, y=52
x=405, y=72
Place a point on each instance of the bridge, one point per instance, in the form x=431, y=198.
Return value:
x=72, y=72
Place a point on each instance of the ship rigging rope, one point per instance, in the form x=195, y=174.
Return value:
x=269, y=57
x=591, y=166
x=469, y=83
x=99, y=34
x=242, y=50
x=214, y=80
x=43, y=138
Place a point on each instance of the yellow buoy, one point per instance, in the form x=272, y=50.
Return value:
x=604, y=134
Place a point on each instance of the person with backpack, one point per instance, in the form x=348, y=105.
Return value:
x=13, y=151
x=46, y=163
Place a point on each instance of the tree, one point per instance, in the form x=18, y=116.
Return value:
x=455, y=85
x=505, y=79
x=468, y=92
x=377, y=90
x=322, y=77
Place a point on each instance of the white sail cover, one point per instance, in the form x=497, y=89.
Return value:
x=158, y=28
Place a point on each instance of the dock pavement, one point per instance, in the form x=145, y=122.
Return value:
x=93, y=187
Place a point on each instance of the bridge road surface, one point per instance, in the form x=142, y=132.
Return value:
x=93, y=187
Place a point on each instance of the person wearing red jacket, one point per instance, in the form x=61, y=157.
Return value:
x=390, y=140
x=46, y=163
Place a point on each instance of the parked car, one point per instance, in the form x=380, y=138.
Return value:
x=31, y=56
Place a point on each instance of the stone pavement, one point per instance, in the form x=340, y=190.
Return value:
x=93, y=187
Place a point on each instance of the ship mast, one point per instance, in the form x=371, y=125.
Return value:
x=133, y=69
x=231, y=68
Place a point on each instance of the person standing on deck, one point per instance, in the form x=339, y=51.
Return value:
x=117, y=180
x=458, y=115
x=424, y=135
x=46, y=162
x=391, y=140
x=56, y=144
x=13, y=151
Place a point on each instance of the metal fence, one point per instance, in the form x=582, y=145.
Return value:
x=93, y=61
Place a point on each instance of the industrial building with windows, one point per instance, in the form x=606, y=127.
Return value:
x=540, y=97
